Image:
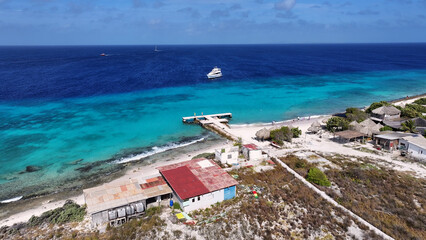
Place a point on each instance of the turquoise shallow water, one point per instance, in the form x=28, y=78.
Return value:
x=53, y=134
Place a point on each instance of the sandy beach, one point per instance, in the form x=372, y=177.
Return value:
x=322, y=142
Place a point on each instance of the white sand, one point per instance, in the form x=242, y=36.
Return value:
x=404, y=102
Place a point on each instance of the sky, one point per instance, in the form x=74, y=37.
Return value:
x=139, y=22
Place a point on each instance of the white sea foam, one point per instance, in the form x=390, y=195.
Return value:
x=12, y=199
x=156, y=150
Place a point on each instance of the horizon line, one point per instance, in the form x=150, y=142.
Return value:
x=202, y=44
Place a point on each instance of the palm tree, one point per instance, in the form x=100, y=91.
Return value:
x=409, y=126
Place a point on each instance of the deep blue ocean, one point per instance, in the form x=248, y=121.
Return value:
x=64, y=108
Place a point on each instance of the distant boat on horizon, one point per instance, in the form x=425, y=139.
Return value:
x=103, y=54
x=155, y=49
x=215, y=73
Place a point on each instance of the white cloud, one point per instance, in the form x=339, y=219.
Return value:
x=286, y=5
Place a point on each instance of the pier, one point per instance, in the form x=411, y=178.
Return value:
x=214, y=122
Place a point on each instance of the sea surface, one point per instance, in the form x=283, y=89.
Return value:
x=72, y=114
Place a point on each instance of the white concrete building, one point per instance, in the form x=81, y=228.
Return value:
x=252, y=152
x=198, y=183
x=415, y=146
x=227, y=155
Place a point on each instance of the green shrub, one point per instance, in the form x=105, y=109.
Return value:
x=410, y=112
x=176, y=205
x=409, y=126
x=416, y=107
x=281, y=135
x=153, y=211
x=420, y=101
x=70, y=212
x=386, y=128
x=296, y=132
x=318, y=177
x=376, y=105
x=337, y=124
x=239, y=142
x=355, y=114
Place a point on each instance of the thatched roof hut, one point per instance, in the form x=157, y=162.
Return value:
x=315, y=127
x=387, y=110
x=263, y=134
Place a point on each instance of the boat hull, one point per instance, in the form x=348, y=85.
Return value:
x=212, y=76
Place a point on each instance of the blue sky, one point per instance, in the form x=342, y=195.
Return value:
x=100, y=22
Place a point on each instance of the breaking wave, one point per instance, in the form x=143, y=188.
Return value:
x=12, y=199
x=155, y=150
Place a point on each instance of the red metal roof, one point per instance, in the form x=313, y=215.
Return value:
x=251, y=146
x=212, y=176
x=184, y=182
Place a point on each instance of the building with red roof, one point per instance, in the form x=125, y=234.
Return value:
x=198, y=183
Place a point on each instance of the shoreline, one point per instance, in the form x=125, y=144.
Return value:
x=137, y=167
x=22, y=211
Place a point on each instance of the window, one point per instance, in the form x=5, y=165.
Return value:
x=199, y=198
x=193, y=200
x=229, y=156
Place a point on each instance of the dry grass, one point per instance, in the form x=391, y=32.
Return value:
x=390, y=200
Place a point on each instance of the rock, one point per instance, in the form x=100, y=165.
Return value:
x=32, y=168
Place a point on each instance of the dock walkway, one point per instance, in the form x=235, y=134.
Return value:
x=213, y=122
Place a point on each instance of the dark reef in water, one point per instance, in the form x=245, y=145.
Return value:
x=31, y=168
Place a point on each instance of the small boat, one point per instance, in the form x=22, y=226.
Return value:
x=215, y=73
x=156, y=50
x=103, y=54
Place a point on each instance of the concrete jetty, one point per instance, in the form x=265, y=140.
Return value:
x=213, y=122
x=208, y=119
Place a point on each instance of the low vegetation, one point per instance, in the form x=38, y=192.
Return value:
x=70, y=212
x=355, y=114
x=335, y=124
x=420, y=101
x=386, y=128
x=284, y=134
x=409, y=126
x=390, y=200
x=318, y=177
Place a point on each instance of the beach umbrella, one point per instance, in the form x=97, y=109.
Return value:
x=263, y=134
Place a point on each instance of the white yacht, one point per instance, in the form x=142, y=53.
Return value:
x=215, y=73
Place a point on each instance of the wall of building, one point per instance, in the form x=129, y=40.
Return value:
x=414, y=150
x=255, y=155
x=229, y=157
x=386, y=144
x=204, y=201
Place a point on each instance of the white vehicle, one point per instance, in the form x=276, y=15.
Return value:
x=215, y=73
